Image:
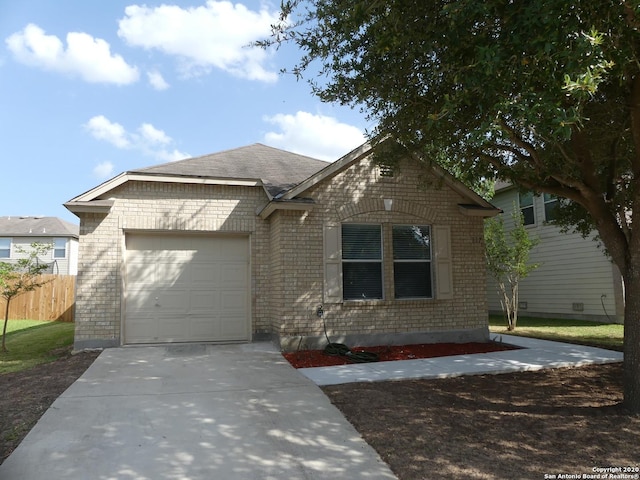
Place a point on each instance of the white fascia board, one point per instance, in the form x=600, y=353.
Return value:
x=100, y=189
x=459, y=187
x=269, y=208
x=96, y=206
x=329, y=171
x=478, y=211
x=125, y=177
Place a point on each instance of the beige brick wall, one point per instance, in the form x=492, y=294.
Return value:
x=287, y=254
x=162, y=207
x=345, y=199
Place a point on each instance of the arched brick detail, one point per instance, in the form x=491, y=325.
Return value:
x=398, y=206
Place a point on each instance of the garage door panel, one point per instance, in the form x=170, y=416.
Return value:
x=169, y=274
x=205, y=327
x=233, y=302
x=234, y=250
x=234, y=274
x=186, y=288
x=171, y=328
x=205, y=273
x=204, y=301
x=232, y=327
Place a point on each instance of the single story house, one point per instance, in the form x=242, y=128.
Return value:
x=575, y=280
x=258, y=243
x=19, y=232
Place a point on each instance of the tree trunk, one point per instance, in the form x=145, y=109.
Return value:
x=632, y=340
x=4, y=328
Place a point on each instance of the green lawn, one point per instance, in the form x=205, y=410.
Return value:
x=604, y=335
x=31, y=342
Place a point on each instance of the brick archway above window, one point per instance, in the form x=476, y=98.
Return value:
x=417, y=210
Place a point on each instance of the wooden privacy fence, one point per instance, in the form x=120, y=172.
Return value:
x=55, y=300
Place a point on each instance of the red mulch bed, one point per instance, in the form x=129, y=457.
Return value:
x=317, y=358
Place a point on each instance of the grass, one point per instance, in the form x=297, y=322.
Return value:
x=32, y=342
x=603, y=335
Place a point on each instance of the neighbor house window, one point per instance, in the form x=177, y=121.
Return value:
x=361, y=261
x=5, y=247
x=59, y=248
x=412, y=261
x=551, y=203
x=526, y=207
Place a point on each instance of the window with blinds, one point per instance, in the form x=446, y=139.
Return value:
x=412, y=272
x=5, y=248
x=361, y=261
x=59, y=248
x=526, y=207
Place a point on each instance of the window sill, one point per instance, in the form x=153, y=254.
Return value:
x=384, y=302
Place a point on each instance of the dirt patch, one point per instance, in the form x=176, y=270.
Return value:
x=318, y=358
x=521, y=425
x=26, y=395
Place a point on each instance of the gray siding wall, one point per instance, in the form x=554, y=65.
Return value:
x=61, y=266
x=575, y=280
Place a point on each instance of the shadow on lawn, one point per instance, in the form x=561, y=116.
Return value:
x=520, y=425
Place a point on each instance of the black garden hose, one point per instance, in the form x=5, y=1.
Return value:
x=341, y=350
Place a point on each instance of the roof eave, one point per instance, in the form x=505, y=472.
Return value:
x=95, y=206
x=303, y=205
x=115, y=182
x=473, y=210
x=329, y=171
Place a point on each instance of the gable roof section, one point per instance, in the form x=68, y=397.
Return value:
x=37, y=227
x=285, y=176
x=278, y=170
x=476, y=206
x=254, y=165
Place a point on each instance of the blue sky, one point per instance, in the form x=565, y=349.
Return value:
x=90, y=89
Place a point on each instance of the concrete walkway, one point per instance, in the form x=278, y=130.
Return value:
x=534, y=355
x=193, y=412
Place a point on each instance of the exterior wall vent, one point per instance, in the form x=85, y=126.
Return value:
x=578, y=307
x=385, y=170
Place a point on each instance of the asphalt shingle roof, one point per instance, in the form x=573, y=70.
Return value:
x=37, y=227
x=278, y=170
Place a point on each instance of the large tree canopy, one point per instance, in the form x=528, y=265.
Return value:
x=543, y=93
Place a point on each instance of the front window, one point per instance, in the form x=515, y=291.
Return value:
x=59, y=248
x=412, y=261
x=361, y=261
x=5, y=248
x=526, y=207
x=551, y=203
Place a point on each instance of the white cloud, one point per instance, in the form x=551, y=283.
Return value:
x=103, y=129
x=215, y=35
x=87, y=57
x=152, y=135
x=148, y=140
x=157, y=81
x=103, y=170
x=317, y=136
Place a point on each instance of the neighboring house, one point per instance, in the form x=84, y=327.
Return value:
x=21, y=232
x=575, y=280
x=247, y=244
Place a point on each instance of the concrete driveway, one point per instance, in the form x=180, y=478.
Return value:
x=193, y=412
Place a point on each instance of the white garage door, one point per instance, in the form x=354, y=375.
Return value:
x=182, y=288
